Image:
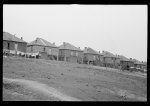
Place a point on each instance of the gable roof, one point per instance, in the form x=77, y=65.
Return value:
x=89, y=50
x=41, y=42
x=9, y=37
x=68, y=46
x=138, y=62
x=108, y=54
x=123, y=58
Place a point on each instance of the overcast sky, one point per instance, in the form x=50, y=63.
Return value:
x=119, y=29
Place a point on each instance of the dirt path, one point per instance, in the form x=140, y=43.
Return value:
x=42, y=88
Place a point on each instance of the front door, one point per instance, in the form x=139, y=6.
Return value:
x=8, y=46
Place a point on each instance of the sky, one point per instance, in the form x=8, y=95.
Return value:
x=119, y=29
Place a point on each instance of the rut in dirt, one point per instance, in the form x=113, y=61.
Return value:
x=42, y=88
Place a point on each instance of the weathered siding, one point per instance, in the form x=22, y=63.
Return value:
x=91, y=57
x=108, y=60
x=117, y=60
x=125, y=64
x=70, y=55
x=21, y=46
x=140, y=66
x=101, y=58
x=44, y=55
x=48, y=50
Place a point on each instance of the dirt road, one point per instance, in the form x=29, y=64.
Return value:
x=36, y=86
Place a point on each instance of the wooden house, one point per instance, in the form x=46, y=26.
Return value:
x=100, y=62
x=46, y=49
x=11, y=42
x=70, y=53
x=125, y=62
x=139, y=65
x=90, y=56
x=111, y=60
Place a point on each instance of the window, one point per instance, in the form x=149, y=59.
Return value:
x=16, y=46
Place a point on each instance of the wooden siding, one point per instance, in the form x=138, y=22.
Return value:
x=70, y=55
x=91, y=57
x=125, y=64
x=48, y=50
x=21, y=46
x=108, y=60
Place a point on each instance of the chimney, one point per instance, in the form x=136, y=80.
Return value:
x=36, y=39
x=99, y=52
x=21, y=38
x=64, y=44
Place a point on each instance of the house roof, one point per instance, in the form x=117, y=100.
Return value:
x=123, y=58
x=138, y=62
x=108, y=54
x=89, y=50
x=9, y=37
x=41, y=42
x=69, y=46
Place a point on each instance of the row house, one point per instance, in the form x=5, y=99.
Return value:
x=91, y=56
x=141, y=65
x=11, y=42
x=47, y=49
x=100, y=62
x=111, y=60
x=70, y=53
x=125, y=62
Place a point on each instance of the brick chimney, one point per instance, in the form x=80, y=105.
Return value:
x=36, y=39
x=64, y=44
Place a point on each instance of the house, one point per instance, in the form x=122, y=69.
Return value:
x=46, y=49
x=70, y=53
x=139, y=65
x=90, y=56
x=101, y=59
x=125, y=62
x=111, y=60
x=11, y=42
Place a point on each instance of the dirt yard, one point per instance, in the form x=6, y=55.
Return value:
x=62, y=81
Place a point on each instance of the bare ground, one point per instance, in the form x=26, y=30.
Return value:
x=82, y=82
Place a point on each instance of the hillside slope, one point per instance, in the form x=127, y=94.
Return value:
x=86, y=83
